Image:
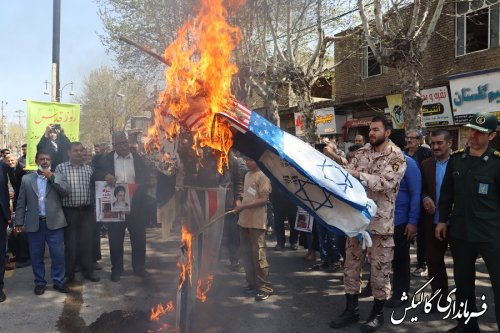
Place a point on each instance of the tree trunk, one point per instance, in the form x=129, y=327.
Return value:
x=412, y=100
x=306, y=109
x=272, y=110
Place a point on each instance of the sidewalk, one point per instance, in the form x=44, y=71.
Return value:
x=304, y=300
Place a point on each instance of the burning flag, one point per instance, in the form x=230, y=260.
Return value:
x=199, y=65
x=198, y=97
x=313, y=180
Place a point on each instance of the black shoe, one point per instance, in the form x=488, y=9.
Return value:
x=62, y=288
x=115, y=277
x=322, y=265
x=39, y=290
x=92, y=277
x=2, y=296
x=22, y=264
x=294, y=247
x=249, y=290
x=350, y=314
x=262, y=296
x=376, y=319
x=366, y=291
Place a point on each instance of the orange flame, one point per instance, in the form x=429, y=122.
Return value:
x=161, y=310
x=186, y=266
x=200, y=75
x=201, y=293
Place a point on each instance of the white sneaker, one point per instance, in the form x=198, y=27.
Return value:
x=420, y=272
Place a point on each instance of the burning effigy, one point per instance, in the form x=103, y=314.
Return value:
x=197, y=98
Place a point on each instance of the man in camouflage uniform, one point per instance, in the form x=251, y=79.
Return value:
x=379, y=166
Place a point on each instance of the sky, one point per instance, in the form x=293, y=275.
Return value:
x=26, y=50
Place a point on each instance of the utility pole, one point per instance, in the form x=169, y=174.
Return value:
x=56, y=39
x=3, y=126
x=19, y=115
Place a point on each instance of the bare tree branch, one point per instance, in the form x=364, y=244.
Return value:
x=432, y=25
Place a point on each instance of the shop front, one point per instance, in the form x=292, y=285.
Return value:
x=475, y=92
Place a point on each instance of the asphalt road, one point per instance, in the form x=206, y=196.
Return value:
x=304, y=300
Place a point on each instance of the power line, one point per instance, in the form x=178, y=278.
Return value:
x=326, y=21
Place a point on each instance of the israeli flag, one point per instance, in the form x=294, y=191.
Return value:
x=313, y=180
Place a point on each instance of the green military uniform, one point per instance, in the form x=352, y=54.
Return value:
x=470, y=203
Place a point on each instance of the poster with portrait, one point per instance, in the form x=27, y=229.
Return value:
x=103, y=204
x=41, y=114
x=395, y=103
x=120, y=198
x=303, y=221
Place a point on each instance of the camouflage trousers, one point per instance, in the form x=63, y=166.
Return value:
x=380, y=256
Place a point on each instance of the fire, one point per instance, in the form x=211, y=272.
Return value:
x=161, y=310
x=201, y=293
x=185, y=266
x=200, y=66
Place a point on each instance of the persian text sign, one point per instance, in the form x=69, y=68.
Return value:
x=325, y=122
x=475, y=93
x=436, y=108
x=42, y=114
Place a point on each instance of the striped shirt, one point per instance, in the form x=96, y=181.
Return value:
x=78, y=177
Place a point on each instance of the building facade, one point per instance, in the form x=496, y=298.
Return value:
x=460, y=73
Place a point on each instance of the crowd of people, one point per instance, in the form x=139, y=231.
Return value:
x=427, y=194
x=432, y=195
x=54, y=206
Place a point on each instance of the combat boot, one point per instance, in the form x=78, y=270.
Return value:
x=376, y=319
x=350, y=314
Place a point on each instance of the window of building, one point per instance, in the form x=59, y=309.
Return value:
x=478, y=26
x=371, y=67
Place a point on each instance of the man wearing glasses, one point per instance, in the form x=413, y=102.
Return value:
x=418, y=154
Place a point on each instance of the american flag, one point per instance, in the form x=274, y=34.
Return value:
x=238, y=117
x=205, y=204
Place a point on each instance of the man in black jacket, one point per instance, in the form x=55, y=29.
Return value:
x=4, y=219
x=123, y=166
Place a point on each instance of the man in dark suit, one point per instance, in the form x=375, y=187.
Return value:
x=433, y=170
x=39, y=212
x=123, y=166
x=4, y=219
x=18, y=241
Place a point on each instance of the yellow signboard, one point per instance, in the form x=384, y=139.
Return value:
x=395, y=103
x=42, y=114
